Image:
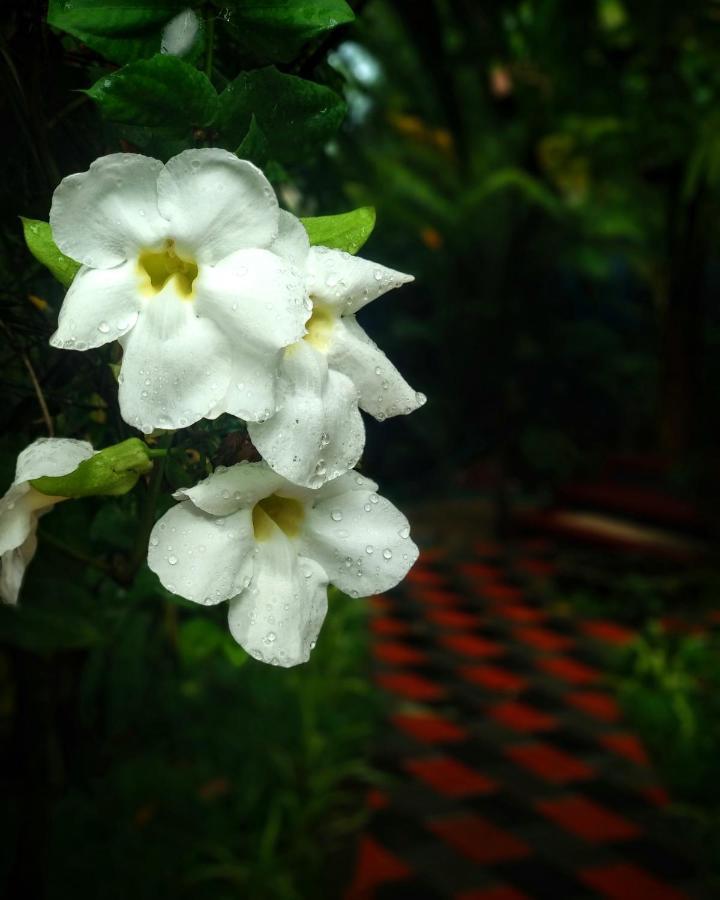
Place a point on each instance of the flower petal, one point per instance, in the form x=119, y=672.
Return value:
x=12, y=568
x=16, y=517
x=216, y=204
x=317, y=432
x=361, y=540
x=228, y=490
x=292, y=242
x=278, y=618
x=383, y=390
x=201, y=557
x=346, y=283
x=105, y=215
x=52, y=457
x=250, y=394
x=255, y=297
x=176, y=366
x=100, y=306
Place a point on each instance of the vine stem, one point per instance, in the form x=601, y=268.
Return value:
x=147, y=519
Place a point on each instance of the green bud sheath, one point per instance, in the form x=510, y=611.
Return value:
x=114, y=470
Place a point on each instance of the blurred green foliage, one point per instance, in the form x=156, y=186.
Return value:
x=669, y=688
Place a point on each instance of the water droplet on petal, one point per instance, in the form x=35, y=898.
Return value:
x=387, y=553
x=172, y=560
x=369, y=549
x=103, y=328
x=336, y=515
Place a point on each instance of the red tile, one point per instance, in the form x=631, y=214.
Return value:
x=470, y=645
x=626, y=745
x=588, y=820
x=437, y=596
x=656, y=795
x=449, y=777
x=429, y=729
x=412, y=687
x=544, y=639
x=488, y=548
x=624, y=881
x=386, y=625
x=494, y=678
x=478, y=839
x=377, y=799
x=375, y=866
x=519, y=613
x=594, y=703
x=521, y=717
x=497, y=591
x=481, y=572
x=499, y=892
x=380, y=604
x=395, y=652
x=448, y=618
x=568, y=670
x=421, y=575
x=609, y=632
x=549, y=763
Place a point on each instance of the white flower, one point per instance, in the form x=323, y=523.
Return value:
x=22, y=505
x=248, y=535
x=317, y=431
x=176, y=266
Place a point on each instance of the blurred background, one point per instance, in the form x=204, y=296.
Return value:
x=535, y=712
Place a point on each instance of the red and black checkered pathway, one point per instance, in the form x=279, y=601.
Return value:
x=510, y=773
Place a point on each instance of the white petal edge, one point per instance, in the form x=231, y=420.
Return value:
x=101, y=306
x=317, y=432
x=51, y=457
x=216, y=203
x=346, y=283
x=201, y=557
x=292, y=241
x=277, y=619
x=361, y=540
x=228, y=490
x=383, y=391
x=13, y=564
x=175, y=367
x=105, y=215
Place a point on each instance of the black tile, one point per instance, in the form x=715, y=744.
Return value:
x=542, y=881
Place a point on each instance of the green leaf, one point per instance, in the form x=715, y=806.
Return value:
x=39, y=239
x=163, y=93
x=296, y=116
x=254, y=145
x=346, y=231
x=121, y=30
x=276, y=31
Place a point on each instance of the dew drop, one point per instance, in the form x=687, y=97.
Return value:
x=103, y=328
x=369, y=549
x=387, y=553
x=172, y=560
x=336, y=515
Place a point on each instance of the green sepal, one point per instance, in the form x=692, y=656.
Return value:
x=346, y=231
x=114, y=470
x=39, y=240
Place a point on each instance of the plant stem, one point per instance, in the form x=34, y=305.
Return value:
x=147, y=518
x=75, y=554
x=156, y=454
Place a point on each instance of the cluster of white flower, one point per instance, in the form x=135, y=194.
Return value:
x=222, y=306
